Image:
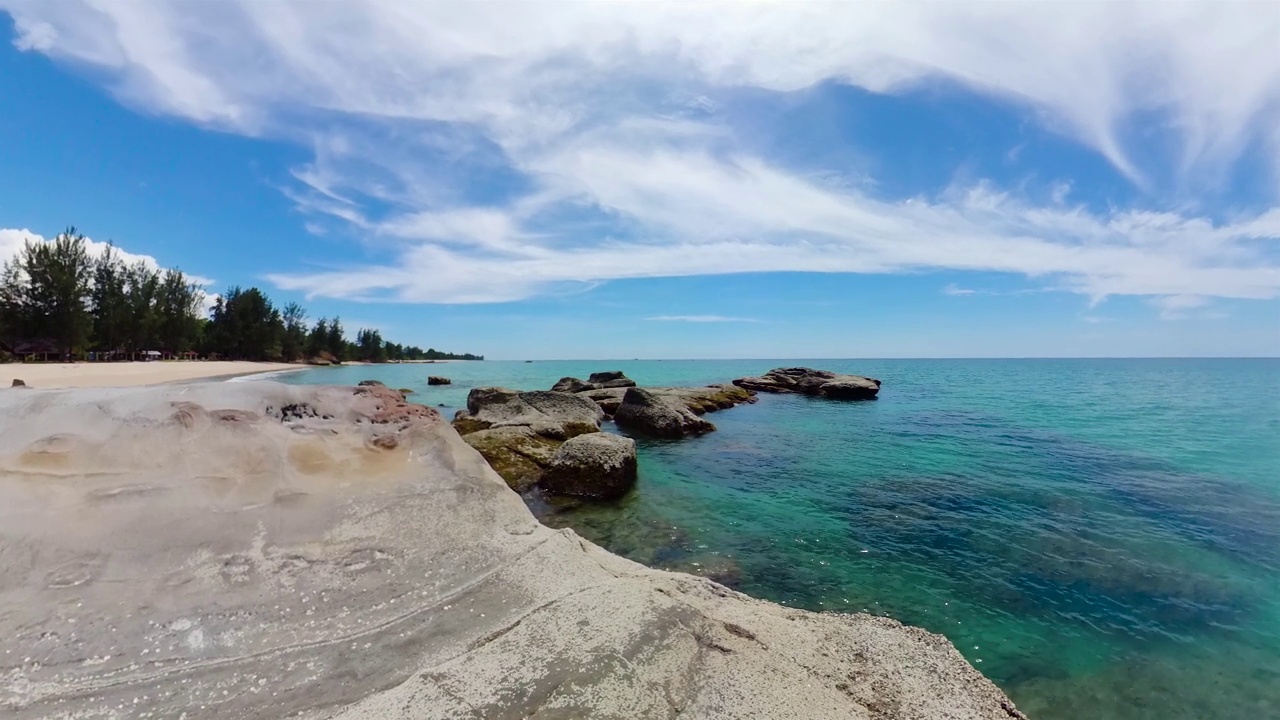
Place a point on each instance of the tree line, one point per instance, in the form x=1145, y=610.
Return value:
x=57, y=299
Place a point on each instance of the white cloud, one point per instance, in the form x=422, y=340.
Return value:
x=600, y=110
x=1178, y=307
x=701, y=319
x=12, y=240
x=953, y=289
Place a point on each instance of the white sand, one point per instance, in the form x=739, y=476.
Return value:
x=128, y=374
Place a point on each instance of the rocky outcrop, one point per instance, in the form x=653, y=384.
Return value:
x=647, y=413
x=554, y=415
x=597, y=381
x=18, y=383
x=597, y=465
x=698, y=400
x=808, y=381
x=519, y=432
x=320, y=565
x=438, y=380
x=518, y=454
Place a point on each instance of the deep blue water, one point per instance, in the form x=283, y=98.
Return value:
x=1100, y=537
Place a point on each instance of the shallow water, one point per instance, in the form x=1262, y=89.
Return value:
x=1100, y=537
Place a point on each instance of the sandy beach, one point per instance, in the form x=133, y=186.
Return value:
x=128, y=374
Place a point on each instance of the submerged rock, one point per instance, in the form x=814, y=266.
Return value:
x=593, y=466
x=201, y=557
x=808, y=381
x=648, y=413
x=438, y=380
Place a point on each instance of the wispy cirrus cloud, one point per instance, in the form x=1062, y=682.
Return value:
x=499, y=156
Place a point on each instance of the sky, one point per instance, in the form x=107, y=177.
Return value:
x=688, y=180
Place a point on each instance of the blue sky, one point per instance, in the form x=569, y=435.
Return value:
x=614, y=181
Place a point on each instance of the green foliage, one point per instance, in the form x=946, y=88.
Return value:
x=54, y=292
x=244, y=325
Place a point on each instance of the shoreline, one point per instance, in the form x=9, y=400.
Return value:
x=499, y=615
x=74, y=375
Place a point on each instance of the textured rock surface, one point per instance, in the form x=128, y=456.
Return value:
x=808, y=381
x=258, y=550
x=516, y=453
x=648, y=413
x=698, y=400
x=593, y=466
x=610, y=379
x=551, y=414
x=438, y=380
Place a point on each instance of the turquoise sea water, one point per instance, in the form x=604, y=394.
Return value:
x=1100, y=537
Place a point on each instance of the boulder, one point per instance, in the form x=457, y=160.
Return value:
x=699, y=400
x=551, y=414
x=611, y=379
x=517, y=454
x=371, y=383
x=647, y=413
x=571, y=385
x=597, y=381
x=808, y=381
x=318, y=361
x=438, y=380
x=18, y=383
x=597, y=466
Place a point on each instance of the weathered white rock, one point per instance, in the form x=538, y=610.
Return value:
x=259, y=550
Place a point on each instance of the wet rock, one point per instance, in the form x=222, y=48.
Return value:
x=648, y=413
x=598, y=465
x=808, y=381
x=517, y=454
x=438, y=380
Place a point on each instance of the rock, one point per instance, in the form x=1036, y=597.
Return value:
x=18, y=383
x=406, y=391
x=597, y=381
x=319, y=362
x=371, y=383
x=611, y=379
x=272, y=551
x=807, y=381
x=438, y=380
x=597, y=465
x=390, y=406
x=699, y=400
x=647, y=413
x=517, y=454
x=571, y=385
x=551, y=414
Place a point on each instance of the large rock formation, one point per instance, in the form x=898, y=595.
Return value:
x=552, y=414
x=519, y=432
x=648, y=413
x=596, y=466
x=201, y=552
x=808, y=381
x=698, y=400
x=597, y=381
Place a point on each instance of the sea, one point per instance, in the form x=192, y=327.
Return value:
x=1101, y=538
